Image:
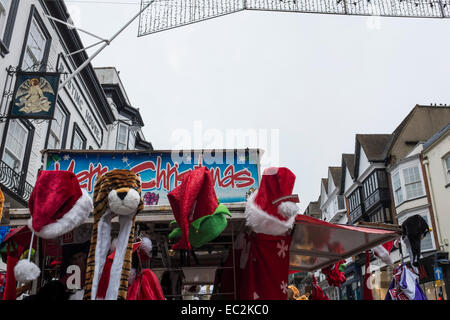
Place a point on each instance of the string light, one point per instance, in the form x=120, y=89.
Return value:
x=164, y=15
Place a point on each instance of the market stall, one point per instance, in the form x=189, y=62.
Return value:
x=262, y=233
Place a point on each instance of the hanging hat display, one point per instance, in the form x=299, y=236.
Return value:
x=334, y=273
x=317, y=292
x=57, y=206
x=196, y=210
x=383, y=251
x=414, y=230
x=367, y=290
x=272, y=208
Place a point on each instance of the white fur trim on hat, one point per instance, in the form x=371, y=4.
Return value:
x=382, y=254
x=288, y=209
x=146, y=246
x=26, y=271
x=261, y=222
x=72, y=219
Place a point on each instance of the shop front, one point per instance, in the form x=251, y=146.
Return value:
x=351, y=289
x=381, y=278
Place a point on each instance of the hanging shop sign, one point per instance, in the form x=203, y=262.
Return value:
x=35, y=95
x=72, y=88
x=235, y=172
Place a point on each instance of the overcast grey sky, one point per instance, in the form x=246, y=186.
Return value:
x=318, y=79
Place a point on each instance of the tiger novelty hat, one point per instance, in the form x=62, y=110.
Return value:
x=116, y=193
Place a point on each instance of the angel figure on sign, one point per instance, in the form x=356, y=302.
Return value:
x=31, y=94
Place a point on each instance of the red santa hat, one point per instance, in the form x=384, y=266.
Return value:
x=383, y=252
x=195, y=206
x=272, y=208
x=317, y=292
x=57, y=206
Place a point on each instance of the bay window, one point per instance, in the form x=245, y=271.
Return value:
x=407, y=184
x=122, y=137
x=397, y=187
x=413, y=183
x=132, y=140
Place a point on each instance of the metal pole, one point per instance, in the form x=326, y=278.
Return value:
x=88, y=61
x=72, y=26
x=84, y=49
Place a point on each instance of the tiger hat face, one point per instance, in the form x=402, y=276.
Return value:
x=125, y=200
x=116, y=193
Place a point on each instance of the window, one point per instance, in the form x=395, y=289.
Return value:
x=407, y=185
x=78, y=140
x=447, y=166
x=413, y=183
x=354, y=200
x=370, y=185
x=427, y=242
x=132, y=141
x=15, y=145
x=397, y=186
x=56, y=129
x=122, y=137
x=378, y=216
x=4, y=6
x=35, y=48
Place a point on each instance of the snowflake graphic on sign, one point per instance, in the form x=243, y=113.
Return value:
x=283, y=248
x=284, y=287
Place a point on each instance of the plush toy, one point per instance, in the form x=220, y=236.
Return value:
x=116, y=193
x=414, y=229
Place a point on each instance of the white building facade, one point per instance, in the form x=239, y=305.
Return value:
x=83, y=115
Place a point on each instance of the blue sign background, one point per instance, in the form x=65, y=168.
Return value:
x=235, y=173
x=438, y=274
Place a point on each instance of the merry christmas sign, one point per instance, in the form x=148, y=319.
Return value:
x=235, y=172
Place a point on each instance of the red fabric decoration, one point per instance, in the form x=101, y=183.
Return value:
x=261, y=268
x=54, y=194
x=367, y=294
x=146, y=287
x=317, y=292
x=21, y=238
x=9, y=292
x=191, y=200
x=275, y=184
x=334, y=276
x=104, y=279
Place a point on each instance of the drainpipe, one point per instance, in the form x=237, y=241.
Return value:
x=433, y=202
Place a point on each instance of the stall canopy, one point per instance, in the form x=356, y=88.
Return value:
x=317, y=244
